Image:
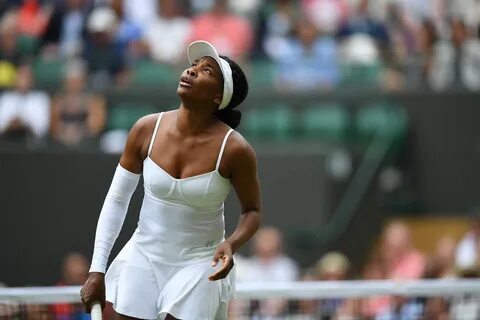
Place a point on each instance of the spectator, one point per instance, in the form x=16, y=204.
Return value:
x=24, y=111
x=333, y=266
x=78, y=116
x=307, y=61
x=466, y=255
x=402, y=260
x=326, y=15
x=64, y=33
x=32, y=18
x=307, y=308
x=74, y=273
x=420, y=61
x=128, y=33
x=269, y=264
x=402, y=308
x=441, y=264
x=456, y=63
x=167, y=38
x=10, y=57
x=141, y=13
x=361, y=22
x=397, y=260
x=276, y=23
x=229, y=33
x=106, y=63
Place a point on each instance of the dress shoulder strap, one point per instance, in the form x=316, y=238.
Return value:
x=223, y=148
x=150, y=147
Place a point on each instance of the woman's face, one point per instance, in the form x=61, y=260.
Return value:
x=202, y=83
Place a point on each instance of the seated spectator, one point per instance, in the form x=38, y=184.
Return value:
x=456, y=63
x=141, y=13
x=269, y=264
x=398, y=260
x=167, y=37
x=128, y=34
x=230, y=34
x=32, y=18
x=333, y=266
x=10, y=57
x=362, y=22
x=307, y=61
x=276, y=22
x=78, y=116
x=467, y=252
x=74, y=273
x=325, y=14
x=441, y=265
x=307, y=308
x=64, y=33
x=106, y=63
x=402, y=260
x=24, y=111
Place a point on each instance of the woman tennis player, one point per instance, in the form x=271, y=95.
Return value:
x=178, y=265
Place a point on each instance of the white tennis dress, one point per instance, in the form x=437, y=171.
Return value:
x=164, y=267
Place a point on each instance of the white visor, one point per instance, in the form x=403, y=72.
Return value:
x=200, y=49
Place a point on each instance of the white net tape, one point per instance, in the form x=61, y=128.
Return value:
x=285, y=290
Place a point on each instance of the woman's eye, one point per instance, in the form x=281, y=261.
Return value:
x=207, y=70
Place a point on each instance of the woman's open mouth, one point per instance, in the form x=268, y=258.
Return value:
x=185, y=82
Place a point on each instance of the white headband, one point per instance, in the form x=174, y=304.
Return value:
x=200, y=49
x=227, y=83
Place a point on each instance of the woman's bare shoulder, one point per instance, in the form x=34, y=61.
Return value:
x=239, y=148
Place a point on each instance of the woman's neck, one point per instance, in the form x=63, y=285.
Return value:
x=191, y=122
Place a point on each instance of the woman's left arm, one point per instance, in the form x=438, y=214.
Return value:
x=244, y=178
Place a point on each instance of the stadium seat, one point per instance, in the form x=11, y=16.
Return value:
x=269, y=122
x=27, y=45
x=385, y=121
x=151, y=74
x=124, y=115
x=328, y=122
x=48, y=73
x=261, y=74
x=361, y=75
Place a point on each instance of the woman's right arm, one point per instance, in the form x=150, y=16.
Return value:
x=114, y=210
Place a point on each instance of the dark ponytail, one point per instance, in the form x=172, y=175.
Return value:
x=229, y=114
x=231, y=117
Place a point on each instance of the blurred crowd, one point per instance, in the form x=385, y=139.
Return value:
x=306, y=44
x=395, y=257
x=311, y=43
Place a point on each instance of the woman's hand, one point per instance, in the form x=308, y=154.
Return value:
x=224, y=252
x=93, y=290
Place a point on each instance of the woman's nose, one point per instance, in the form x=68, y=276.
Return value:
x=191, y=72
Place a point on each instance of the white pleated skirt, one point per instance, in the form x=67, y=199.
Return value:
x=140, y=287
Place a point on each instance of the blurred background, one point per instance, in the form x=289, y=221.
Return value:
x=363, y=113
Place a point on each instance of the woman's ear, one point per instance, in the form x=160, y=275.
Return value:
x=218, y=100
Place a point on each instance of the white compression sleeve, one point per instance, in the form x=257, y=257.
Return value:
x=112, y=216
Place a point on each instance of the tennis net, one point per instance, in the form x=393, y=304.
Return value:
x=342, y=300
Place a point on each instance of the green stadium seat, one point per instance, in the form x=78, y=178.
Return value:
x=27, y=45
x=269, y=122
x=327, y=122
x=48, y=73
x=360, y=75
x=151, y=74
x=261, y=74
x=384, y=119
x=124, y=115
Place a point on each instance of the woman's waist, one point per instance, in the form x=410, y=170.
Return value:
x=176, y=250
